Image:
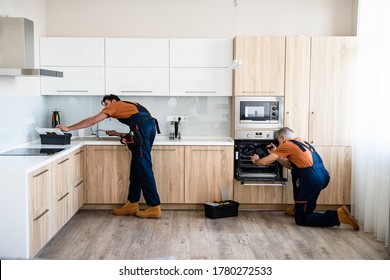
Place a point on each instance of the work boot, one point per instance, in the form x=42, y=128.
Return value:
x=346, y=218
x=127, y=209
x=290, y=211
x=153, y=212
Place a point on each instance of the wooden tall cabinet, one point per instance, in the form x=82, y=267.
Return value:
x=332, y=87
x=263, y=65
x=107, y=172
x=207, y=169
x=320, y=83
x=297, y=85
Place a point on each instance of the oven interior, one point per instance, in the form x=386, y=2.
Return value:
x=245, y=170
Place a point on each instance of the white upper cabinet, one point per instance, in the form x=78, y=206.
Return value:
x=201, y=52
x=128, y=52
x=69, y=51
x=137, y=66
x=200, y=67
x=80, y=59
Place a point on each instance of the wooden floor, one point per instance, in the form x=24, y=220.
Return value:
x=182, y=235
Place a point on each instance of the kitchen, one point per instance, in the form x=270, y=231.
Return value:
x=213, y=114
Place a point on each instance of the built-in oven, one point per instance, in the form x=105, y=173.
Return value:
x=245, y=170
x=256, y=119
x=258, y=112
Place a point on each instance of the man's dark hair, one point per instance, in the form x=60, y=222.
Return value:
x=110, y=97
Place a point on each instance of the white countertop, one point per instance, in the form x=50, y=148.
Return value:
x=29, y=163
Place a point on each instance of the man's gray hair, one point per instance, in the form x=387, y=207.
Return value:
x=285, y=131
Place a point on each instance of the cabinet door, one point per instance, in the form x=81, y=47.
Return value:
x=76, y=81
x=263, y=65
x=78, y=166
x=137, y=52
x=338, y=161
x=201, y=52
x=207, y=169
x=297, y=85
x=107, y=173
x=40, y=209
x=78, y=180
x=332, y=85
x=56, y=51
x=63, y=191
x=168, y=169
x=256, y=193
x=137, y=81
x=201, y=82
x=78, y=196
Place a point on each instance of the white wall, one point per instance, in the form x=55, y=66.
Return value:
x=22, y=106
x=199, y=18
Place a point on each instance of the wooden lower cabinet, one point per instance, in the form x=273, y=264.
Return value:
x=62, y=182
x=207, y=169
x=40, y=209
x=107, y=173
x=338, y=162
x=168, y=169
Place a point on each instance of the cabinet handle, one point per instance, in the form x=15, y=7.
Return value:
x=200, y=91
x=247, y=91
x=40, y=173
x=63, y=161
x=135, y=91
x=72, y=90
x=264, y=184
x=168, y=150
x=78, y=184
x=65, y=195
x=78, y=153
x=208, y=150
x=40, y=216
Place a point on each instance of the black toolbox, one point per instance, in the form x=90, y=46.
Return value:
x=54, y=139
x=221, y=209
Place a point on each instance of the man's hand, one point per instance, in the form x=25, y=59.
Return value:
x=271, y=148
x=63, y=127
x=255, y=158
x=112, y=133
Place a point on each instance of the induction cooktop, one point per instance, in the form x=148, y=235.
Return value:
x=32, y=152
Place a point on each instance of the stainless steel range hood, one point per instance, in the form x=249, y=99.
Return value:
x=17, y=49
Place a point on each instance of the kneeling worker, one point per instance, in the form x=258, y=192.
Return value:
x=309, y=177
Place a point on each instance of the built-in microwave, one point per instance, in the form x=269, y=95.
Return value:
x=259, y=112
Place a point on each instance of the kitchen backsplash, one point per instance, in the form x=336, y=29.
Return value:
x=19, y=116
x=207, y=116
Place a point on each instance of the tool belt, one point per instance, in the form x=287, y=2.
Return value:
x=133, y=139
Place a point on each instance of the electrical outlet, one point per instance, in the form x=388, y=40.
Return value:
x=175, y=118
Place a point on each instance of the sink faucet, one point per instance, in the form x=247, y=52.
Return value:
x=96, y=132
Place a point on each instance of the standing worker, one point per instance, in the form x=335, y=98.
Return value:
x=141, y=174
x=309, y=177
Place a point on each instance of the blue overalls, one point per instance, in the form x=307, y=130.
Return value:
x=307, y=184
x=141, y=171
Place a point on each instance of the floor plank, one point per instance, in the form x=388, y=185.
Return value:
x=185, y=234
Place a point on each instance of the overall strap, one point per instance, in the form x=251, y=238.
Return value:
x=316, y=157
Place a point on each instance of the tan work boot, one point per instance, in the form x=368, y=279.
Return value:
x=290, y=211
x=346, y=218
x=127, y=209
x=153, y=212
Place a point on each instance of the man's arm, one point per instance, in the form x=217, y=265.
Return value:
x=84, y=123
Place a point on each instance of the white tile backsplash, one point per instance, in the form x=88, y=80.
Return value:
x=207, y=116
